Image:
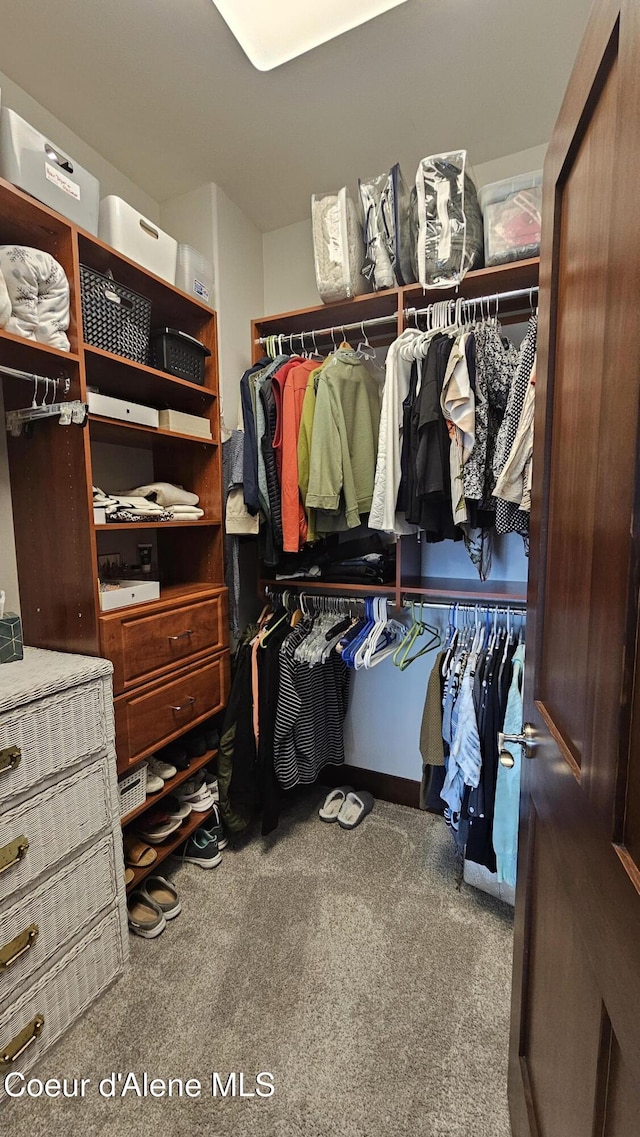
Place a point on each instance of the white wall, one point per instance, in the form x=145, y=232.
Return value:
x=289, y=277
x=213, y=224
x=111, y=179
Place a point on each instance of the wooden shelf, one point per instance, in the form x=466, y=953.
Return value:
x=113, y=526
x=189, y=826
x=474, y=591
x=29, y=355
x=114, y=375
x=170, y=786
x=171, y=595
x=135, y=434
x=480, y=282
x=330, y=586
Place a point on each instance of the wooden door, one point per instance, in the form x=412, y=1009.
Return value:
x=575, y=1041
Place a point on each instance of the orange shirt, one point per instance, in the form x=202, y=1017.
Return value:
x=294, y=518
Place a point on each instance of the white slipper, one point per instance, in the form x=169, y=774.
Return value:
x=333, y=803
x=355, y=808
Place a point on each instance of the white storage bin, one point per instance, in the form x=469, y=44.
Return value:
x=33, y=163
x=129, y=592
x=132, y=790
x=194, y=274
x=122, y=227
x=41, y=1015
x=512, y=213
x=109, y=407
x=185, y=424
x=49, y=918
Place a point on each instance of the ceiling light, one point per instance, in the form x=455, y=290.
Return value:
x=272, y=32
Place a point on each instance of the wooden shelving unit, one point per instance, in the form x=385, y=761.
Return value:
x=189, y=826
x=170, y=786
x=52, y=474
x=409, y=583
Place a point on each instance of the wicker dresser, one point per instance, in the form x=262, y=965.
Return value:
x=63, y=919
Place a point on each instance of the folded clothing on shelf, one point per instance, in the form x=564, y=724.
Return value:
x=135, y=507
x=38, y=291
x=360, y=561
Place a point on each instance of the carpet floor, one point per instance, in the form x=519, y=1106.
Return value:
x=344, y=963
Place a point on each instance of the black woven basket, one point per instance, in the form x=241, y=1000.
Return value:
x=178, y=354
x=114, y=318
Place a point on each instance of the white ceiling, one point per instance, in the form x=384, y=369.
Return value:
x=162, y=90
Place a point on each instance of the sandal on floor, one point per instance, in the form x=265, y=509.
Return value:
x=146, y=918
x=355, y=808
x=333, y=803
x=137, y=853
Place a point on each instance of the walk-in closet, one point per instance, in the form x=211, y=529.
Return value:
x=319, y=587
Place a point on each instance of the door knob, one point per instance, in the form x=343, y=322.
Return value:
x=526, y=739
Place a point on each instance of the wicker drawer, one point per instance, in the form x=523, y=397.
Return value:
x=147, y=644
x=158, y=712
x=38, y=1017
x=38, y=833
x=38, y=926
x=51, y=734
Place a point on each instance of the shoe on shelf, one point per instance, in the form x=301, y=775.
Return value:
x=136, y=853
x=195, y=743
x=214, y=827
x=211, y=736
x=212, y=785
x=146, y=918
x=195, y=792
x=161, y=768
x=175, y=753
x=173, y=807
x=154, y=782
x=201, y=849
x=162, y=893
x=156, y=826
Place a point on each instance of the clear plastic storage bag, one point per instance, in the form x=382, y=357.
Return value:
x=338, y=246
x=450, y=234
x=512, y=212
x=387, y=230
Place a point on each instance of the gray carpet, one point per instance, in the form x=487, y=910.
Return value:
x=346, y=964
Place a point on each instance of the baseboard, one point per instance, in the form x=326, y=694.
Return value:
x=387, y=787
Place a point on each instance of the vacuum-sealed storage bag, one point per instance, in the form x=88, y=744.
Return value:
x=512, y=213
x=387, y=230
x=450, y=235
x=338, y=247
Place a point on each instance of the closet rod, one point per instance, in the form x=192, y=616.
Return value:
x=500, y=608
x=516, y=294
x=356, y=327
x=33, y=378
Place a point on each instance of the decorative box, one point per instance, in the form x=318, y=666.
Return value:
x=10, y=638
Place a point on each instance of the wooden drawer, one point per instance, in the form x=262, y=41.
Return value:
x=143, y=645
x=156, y=713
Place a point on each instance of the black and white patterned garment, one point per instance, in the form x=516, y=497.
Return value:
x=509, y=517
x=312, y=704
x=496, y=361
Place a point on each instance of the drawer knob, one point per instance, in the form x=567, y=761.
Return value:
x=22, y=1042
x=18, y=946
x=181, y=635
x=189, y=703
x=13, y=853
x=10, y=758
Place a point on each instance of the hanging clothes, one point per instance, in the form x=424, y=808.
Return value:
x=507, y=801
x=510, y=517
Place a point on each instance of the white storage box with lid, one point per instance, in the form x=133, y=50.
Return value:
x=109, y=407
x=512, y=214
x=122, y=227
x=35, y=164
x=194, y=274
x=129, y=592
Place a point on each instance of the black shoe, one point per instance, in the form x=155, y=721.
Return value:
x=176, y=754
x=195, y=743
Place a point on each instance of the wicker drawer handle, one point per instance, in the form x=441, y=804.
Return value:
x=10, y=758
x=181, y=635
x=189, y=703
x=22, y=1041
x=12, y=853
x=18, y=946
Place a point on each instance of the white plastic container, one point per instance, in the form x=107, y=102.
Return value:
x=33, y=163
x=194, y=274
x=109, y=407
x=129, y=592
x=512, y=214
x=122, y=227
